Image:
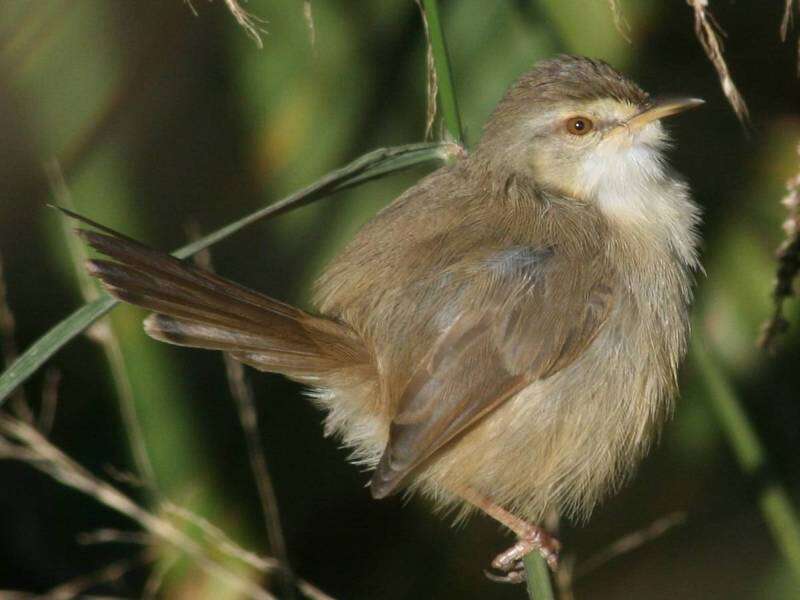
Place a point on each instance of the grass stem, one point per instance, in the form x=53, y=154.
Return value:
x=539, y=584
x=444, y=75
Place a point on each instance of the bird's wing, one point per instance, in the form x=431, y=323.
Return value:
x=535, y=319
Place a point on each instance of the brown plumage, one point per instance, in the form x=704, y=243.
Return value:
x=504, y=335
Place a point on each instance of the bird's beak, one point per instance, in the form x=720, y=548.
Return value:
x=663, y=107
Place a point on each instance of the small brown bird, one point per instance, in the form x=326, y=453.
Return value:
x=506, y=334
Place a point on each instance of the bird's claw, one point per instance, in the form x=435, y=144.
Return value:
x=509, y=562
x=513, y=576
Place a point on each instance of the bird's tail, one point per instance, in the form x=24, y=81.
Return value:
x=194, y=307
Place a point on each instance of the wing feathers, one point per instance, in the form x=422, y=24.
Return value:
x=534, y=322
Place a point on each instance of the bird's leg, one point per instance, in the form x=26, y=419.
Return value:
x=529, y=538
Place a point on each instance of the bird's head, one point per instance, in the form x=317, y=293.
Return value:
x=577, y=126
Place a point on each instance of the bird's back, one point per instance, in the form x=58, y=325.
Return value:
x=432, y=255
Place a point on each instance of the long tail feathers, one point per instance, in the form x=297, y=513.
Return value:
x=197, y=308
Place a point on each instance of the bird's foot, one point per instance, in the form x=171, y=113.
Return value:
x=514, y=576
x=509, y=563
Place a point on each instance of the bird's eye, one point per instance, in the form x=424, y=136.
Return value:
x=579, y=125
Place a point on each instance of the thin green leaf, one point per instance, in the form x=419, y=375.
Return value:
x=444, y=74
x=372, y=165
x=774, y=500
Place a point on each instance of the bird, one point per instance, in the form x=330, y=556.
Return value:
x=505, y=336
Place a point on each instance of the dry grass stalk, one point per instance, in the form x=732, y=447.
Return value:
x=107, y=536
x=311, y=591
x=77, y=588
x=157, y=575
x=788, y=255
x=109, y=574
x=242, y=393
x=630, y=542
x=568, y=571
x=225, y=545
x=308, y=15
x=21, y=441
x=123, y=476
x=108, y=341
x=786, y=24
x=250, y=22
x=221, y=542
x=432, y=79
x=708, y=32
x=620, y=22
x=787, y=20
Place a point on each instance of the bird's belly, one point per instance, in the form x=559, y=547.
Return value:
x=566, y=442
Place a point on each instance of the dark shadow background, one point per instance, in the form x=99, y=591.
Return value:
x=160, y=118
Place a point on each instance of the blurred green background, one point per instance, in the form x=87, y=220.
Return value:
x=161, y=118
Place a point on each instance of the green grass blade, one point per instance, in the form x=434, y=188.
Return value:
x=444, y=74
x=773, y=498
x=377, y=163
x=372, y=165
x=50, y=343
x=538, y=577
